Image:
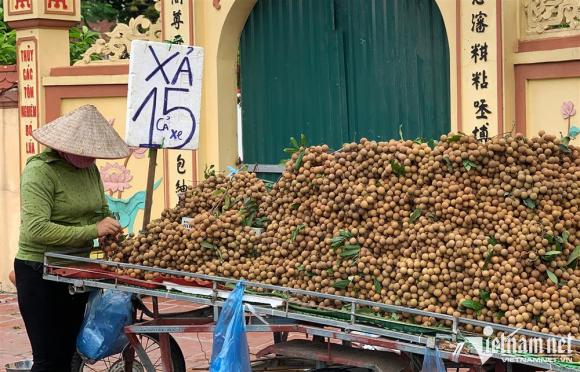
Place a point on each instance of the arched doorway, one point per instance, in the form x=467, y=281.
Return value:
x=339, y=70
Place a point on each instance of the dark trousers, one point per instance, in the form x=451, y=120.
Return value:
x=51, y=315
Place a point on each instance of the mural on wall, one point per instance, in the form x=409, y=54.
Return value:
x=127, y=209
x=116, y=179
x=568, y=110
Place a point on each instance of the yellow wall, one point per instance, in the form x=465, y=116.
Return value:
x=510, y=47
x=544, y=102
x=9, y=194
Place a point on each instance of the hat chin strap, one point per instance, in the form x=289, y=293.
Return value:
x=77, y=161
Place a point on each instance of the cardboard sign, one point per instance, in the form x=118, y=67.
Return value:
x=164, y=98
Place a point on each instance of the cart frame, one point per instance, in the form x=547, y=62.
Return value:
x=285, y=320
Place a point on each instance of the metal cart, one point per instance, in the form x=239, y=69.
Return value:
x=398, y=346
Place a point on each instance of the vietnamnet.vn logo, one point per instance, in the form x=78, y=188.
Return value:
x=545, y=350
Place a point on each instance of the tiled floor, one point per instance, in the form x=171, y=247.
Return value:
x=13, y=341
x=14, y=344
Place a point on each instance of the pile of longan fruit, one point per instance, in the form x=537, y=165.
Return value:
x=215, y=192
x=478, y=230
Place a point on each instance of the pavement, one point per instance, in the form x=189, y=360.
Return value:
x=14, y=345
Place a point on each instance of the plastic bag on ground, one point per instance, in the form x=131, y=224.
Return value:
x=433, y=361
x=102, y=332
x=230, y=351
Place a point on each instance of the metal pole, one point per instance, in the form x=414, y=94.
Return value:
x=165, y=352
x=155, y=303
x=145, y=361
x=149, y=190
x=216, y=310
x=129, y=352
x=163, y=340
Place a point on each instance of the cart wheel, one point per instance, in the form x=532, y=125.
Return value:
x=115, y=363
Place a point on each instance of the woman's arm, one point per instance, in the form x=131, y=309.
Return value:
x=37, y=197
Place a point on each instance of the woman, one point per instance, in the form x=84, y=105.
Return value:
x=63, y=207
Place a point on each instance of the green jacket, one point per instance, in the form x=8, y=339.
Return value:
x=61, y=206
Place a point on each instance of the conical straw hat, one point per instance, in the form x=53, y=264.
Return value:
x=83, y=132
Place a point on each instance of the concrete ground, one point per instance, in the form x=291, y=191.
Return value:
x=14, y=344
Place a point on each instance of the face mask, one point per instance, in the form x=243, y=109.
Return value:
x=78, y=161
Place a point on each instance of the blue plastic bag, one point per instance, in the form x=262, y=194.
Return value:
x=230, y=351
x=433, y=361
x=102, y=332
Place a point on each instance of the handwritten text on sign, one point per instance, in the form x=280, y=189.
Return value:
x=164, y=99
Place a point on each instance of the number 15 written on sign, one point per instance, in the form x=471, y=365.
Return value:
x=163, y=124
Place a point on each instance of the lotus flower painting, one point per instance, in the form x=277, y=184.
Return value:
x=115, y=177
x=568, y=110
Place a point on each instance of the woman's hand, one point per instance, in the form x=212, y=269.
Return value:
x=109, y=226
